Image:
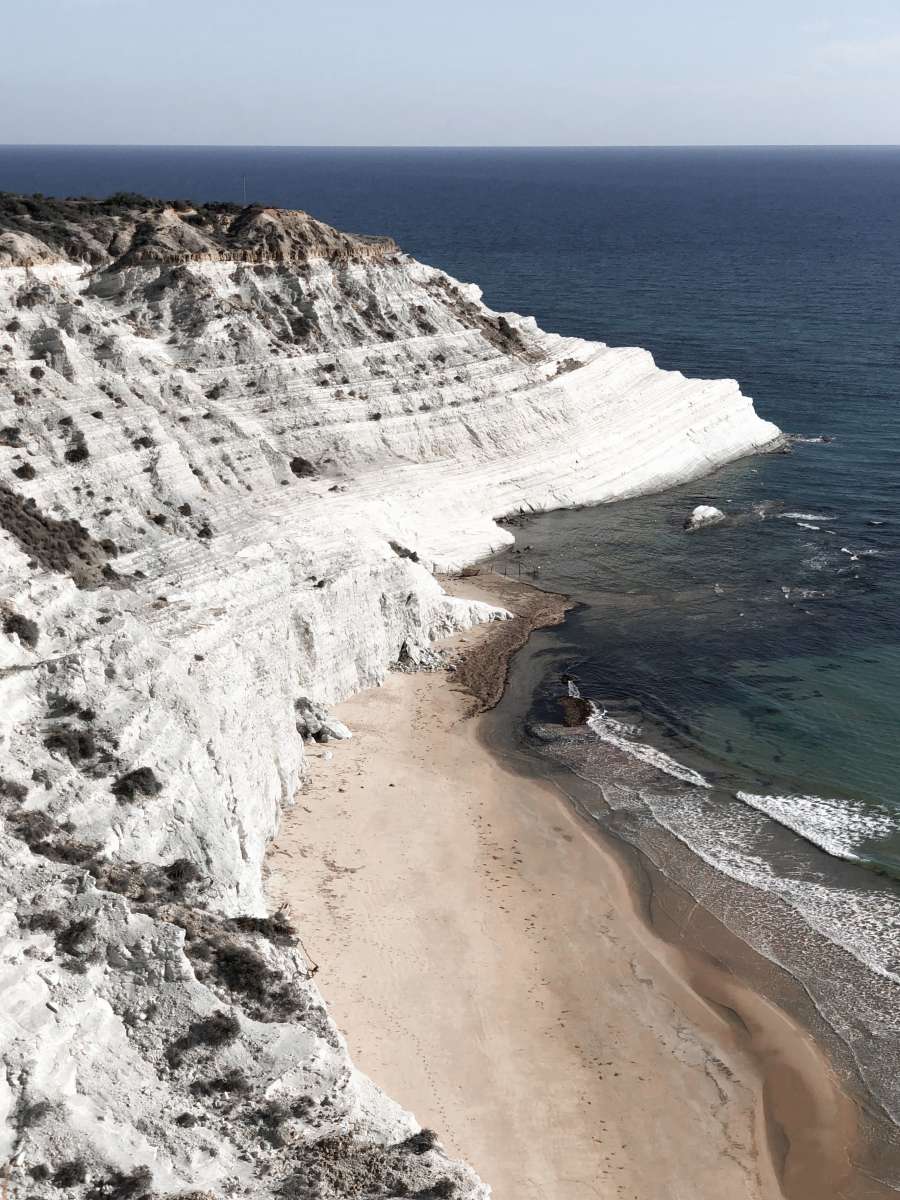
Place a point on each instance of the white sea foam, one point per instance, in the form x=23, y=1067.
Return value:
x=864, y=923
x=835, y=826
x=733, y=840
x=614, y=733
x=806, y=525
x=801, y=516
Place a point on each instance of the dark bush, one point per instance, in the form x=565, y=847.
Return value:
x=69, y=1174
x=419, y=1143
x=303, y=468
x=76, y=744
x=269, y=1119
x=185, y=1120
x=27, y=1115
x=24, y=628
x=182, y=871
x=68, y=850
x=32, y=827
x=277, y=927
x=45, y=922
x=234, y=1083
x=273, y=1114
x=441, y=1189
x=78, y=453
x=11, y=435
x=121, y=1186
x=60, y=706
x=344, y=1166
x=150, y=885
x=242, y=970
x=139, y=782
x=220, y=1029
x=12, y=790
x=25, y=471
x=71, y=940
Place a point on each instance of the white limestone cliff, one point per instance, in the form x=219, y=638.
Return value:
x=234, y=451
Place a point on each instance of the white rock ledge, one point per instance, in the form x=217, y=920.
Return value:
x=281, y=453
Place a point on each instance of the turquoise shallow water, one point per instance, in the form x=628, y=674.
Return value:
x=760, y=657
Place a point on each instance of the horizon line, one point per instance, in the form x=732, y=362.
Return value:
x=450, y=146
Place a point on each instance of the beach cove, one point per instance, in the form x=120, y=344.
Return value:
x=485, y=955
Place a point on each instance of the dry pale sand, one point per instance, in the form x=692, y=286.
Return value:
x=482, y=955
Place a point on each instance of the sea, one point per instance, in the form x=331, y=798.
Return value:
x=744, y=679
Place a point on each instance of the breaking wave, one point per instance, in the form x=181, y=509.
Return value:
x=614, y=733
x=835, y=826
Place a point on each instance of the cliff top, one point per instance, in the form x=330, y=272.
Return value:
x=126, y=229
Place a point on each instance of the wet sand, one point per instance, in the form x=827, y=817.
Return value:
x=485, y=956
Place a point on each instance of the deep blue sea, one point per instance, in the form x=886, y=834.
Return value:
x=762, y=655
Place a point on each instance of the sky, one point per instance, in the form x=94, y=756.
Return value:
x=471, y=72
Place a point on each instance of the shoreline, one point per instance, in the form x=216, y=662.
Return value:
x=491, y=997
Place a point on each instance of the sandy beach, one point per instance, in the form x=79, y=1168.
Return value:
x=484, y=956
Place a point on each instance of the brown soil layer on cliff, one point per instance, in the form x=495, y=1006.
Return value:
x=128, y=230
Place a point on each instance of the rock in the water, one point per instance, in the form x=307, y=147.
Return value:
x=704, y=514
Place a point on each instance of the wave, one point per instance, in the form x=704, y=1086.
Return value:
x=865, y=923
x=614, y=733
x=801, y=516
x=835, y=826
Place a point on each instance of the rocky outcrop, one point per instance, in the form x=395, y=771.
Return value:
x=703, y=515
x=128, y=230
x=235, y=447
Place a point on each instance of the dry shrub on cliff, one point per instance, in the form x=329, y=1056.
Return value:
x=341, y=1165
x=219, y=1029
x=70, y=1174
x=75, y=744
x=120, y=1185
x=140, y=782
x=64, y=546
x=232, y=1083
x=276, y=928
x=10, y=790
x=24, y=628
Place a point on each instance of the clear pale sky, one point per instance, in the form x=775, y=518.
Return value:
x=473, y=72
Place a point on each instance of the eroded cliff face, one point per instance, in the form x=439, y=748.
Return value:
x=235, y=446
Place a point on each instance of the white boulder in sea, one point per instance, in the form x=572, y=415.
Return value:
x=704, y=514
x=235, y=446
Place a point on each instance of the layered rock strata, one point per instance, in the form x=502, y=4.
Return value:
x=236, y=446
